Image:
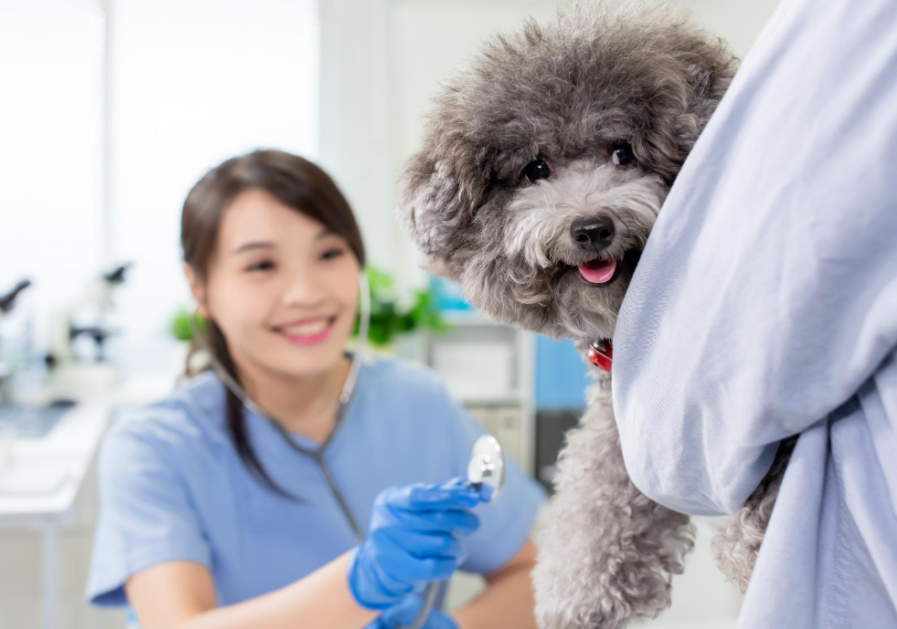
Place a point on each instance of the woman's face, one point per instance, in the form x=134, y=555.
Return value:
x=281, y=287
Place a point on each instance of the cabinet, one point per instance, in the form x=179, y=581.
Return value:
x=488, y=367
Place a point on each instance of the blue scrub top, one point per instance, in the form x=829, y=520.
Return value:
x=173, y=488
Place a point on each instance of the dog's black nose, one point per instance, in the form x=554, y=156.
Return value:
x=593, y=234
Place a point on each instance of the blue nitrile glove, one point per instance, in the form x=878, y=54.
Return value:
x=413, y=539
x=405, y=613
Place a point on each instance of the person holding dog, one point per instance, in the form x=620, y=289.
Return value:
x=765, y=307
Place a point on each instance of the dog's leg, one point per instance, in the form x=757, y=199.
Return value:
x=737, y=544
x=607, y=554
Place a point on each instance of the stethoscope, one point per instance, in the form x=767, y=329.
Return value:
x=345, y=398
x=486, y=470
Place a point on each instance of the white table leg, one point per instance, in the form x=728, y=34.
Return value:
x=49, y=576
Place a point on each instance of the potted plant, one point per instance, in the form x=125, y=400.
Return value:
x=390, y=319
x=181, y=330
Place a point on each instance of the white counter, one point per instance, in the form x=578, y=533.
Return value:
x=69, y=449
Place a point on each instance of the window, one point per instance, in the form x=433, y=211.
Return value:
x=180, y=85
x=51, y=216
x=194, y=82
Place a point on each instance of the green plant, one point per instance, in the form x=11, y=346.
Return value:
x=389, y=319
x=180, y=324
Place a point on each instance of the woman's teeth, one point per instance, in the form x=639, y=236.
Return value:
x=307, y=329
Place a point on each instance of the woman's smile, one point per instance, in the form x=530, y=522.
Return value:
x=308, y=331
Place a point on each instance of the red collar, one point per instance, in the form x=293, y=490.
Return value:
x=601, y=354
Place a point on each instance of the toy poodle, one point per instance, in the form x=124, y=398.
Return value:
x=544, y=165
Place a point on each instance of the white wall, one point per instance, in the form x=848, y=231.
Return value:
x=354, y=137
x=737, y=21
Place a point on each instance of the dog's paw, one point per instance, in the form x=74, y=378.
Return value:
x=737, y=545
x=578, y=619
x=610, y=609
x=734, y=554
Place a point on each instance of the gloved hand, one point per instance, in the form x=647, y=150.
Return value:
x=405, y=613
x=413, y=539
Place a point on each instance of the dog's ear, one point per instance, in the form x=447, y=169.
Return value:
x=703, y=70
x=709, y=73
x=434, y=206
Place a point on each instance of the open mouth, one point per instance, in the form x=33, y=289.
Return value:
x=601, y=272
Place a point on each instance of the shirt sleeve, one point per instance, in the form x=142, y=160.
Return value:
x=146, y=514
x=505, y=523
x=767, y=293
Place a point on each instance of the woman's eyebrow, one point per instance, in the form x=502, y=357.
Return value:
x=250, y=246
x=324, y=233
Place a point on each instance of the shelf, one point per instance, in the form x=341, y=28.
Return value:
x=469, y=318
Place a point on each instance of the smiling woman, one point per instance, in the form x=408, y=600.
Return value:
x=211, y=519
x=249, y=228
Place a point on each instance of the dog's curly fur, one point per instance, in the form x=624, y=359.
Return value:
x=588, y=117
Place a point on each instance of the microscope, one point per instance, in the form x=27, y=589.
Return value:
x=17, y=421
x=7, y=303
x=79, y=334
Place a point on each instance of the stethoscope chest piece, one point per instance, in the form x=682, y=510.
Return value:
x=487, y=467
x=486, y=472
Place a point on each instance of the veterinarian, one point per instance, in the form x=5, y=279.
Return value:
x=210, y=518
x=765, y=306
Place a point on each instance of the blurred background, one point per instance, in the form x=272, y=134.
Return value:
x=111, y=110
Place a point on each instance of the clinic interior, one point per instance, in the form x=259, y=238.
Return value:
x=111, y=111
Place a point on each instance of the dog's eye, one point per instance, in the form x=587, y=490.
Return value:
x=622, y=153
x=536, y=170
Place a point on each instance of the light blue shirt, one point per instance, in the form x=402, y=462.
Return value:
x=173, y=488
x=765, y=305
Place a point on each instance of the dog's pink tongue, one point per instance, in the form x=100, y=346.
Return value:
x=598, y=271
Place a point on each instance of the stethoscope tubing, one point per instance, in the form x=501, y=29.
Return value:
x=345, y=398
x=364, y=301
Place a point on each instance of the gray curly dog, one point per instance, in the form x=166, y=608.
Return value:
x=544, y=165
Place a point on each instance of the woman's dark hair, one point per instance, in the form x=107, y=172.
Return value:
x=298, y=184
